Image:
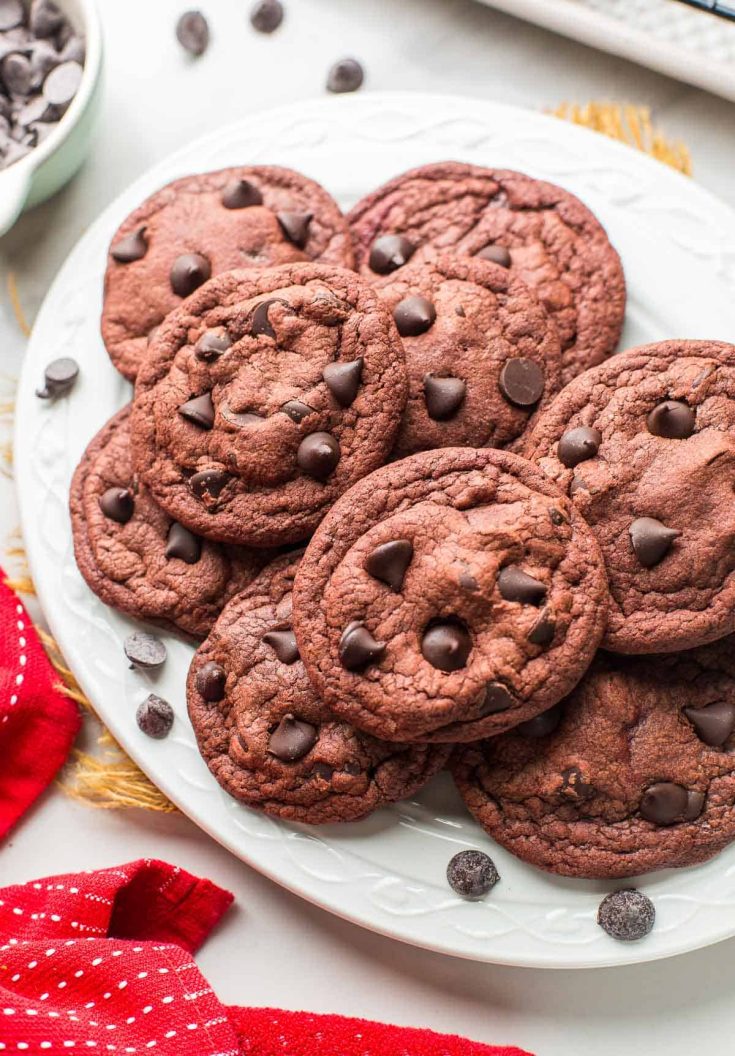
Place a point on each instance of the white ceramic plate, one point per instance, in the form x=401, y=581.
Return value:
x=386, y=873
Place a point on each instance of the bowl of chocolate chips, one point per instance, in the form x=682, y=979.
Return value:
x=50, y=66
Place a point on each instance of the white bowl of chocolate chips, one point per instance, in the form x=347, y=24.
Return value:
x=50, y=66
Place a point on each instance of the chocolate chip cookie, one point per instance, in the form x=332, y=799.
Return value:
x=543, y=233
x=203, y=225
x=449, y=596
x=481, y=352
x=264, y=397
x=645, y=446
x=634, y=771
x=266, y=736
x=134, y=557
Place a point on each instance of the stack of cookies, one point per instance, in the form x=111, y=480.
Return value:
x=384, y=466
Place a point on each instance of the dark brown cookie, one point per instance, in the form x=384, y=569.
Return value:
x=645, y=445
x=634, y=771
x=267, y=737
x=482, y=354
x=543, y=233
x=203, y=225
x=448, y=597
x=131, y=553
x=264, y=397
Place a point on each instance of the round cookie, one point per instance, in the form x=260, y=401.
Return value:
x=203, y=225
x=481, y=352
x=267, y=737
x=634, y=771
x=448, y=597
x=134, y=557
x=543, y=233
x=266, y=396
x=645, y=445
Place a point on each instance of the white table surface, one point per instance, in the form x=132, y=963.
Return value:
x=273, y=948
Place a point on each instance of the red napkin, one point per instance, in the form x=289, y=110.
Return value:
x=37, y=723
x=101, y=963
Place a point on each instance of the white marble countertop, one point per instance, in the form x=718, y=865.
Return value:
x=273, y=948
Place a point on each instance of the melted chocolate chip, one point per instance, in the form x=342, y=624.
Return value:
x=260, y=323
x=211, y=345
x=497, y=254
x=117, y=504
x=199, y=410
x=540, y=725
x=240, y=418
x=283, y=644
x=522, y=382
x=577, y=445
x=210, y=682
x=389, y=562
x=358, y=649
x=343, y=380
x=390, y=252
x=543, y=631
x=714, y=723
x=516, y=585
x=209, y=483
x=414, y=316
x=323, y=771
x=446, y=644
x=241, y=194
x=292, y=739
x=573, y=784
x=443, y=396
x=297, y=411
x=295, y=227
x=318, y=455
x=130, y=248
x=651, y=540
x=497, y=698
x=671, y=419
x=666, y=803
x=188, y=273
x=183, y=544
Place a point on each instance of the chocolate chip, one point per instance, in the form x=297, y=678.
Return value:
x=132, y=247
x=573, y=784
x=188, y=273
x=211, y=345
x=260, y=323
x=543, y=631
x=522, y=382
x=343, y=380
x=577, y=445
x=192, y=32
x=358, y=648
x=346, y=75
x=209, y=483
x=651, y=540
x=62, y=83
x=16, y=73
x=266, y=16
x=468, y=582
x=443, y=396
x=210, y=682
x=59, y=378
x=414, y=315
x=672, y=419
x=713, y=723
x=283, y=644
x=297, y=411
x=323, y=771
x=626, y=915
x=292, y=739
x=472, y=874
x=389, y=562
x=241, y=194
x=577, y=485
x=446, y=644
x=183, y=544
x=318, y=455
x=45, y=18
x=516, y=585
x=144, y=650
x=666, y=803
x=295, y=227
x=497, y=698
x=390, y=252
x=155, y=717
x=557, y=517
x=12, y=14
x=117, y=504
x=497, y=254
x=540, y=725
x=199, y=410
x=240, y=418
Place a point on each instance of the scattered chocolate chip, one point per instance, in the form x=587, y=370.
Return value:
x=296, y=410
x=295, y=227
x=472, y=874
x=210, y=682
x=522, y=382
x=651, y=540
x=292, y=739
x=211, y=345
x=12, y=14
x=626, y=915
x=199, y=410
x=573, y=784
x=541, y=725
x=516, y=585
x=497, y=698
x=543, y=631
x=713, y=723
x=192, y=32
x=443, y=396
x=130, y=248
x=446, y=644
x=343, y=380
x=318, y=455
x=389, y=562
x=59, y=377
x=144, y=650
x=577, y=445
x=266, y=16
x=62, y=84
x=414, y=315
x=358, y=648
x=155, y=717
x=260, y=323
x=241, y=194
x=283, y=644
x=665, y=803
x=117, y=504
x=671, y=419
x=390, y=252
x=209, y=483
x=183, y=544
x=496, y=254
x=188, y=273
x=346, y=75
